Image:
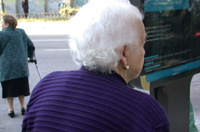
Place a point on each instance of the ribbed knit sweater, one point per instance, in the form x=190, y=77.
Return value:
x=85, y=101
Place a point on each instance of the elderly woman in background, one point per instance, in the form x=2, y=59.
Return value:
x=15, y=48
x=107, y=39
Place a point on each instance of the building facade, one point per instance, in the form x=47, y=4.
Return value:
x=39, y=6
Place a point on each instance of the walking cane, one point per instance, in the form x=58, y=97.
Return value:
x=35, y=61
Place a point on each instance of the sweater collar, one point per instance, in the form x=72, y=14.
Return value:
x=113, y=75
x=8, y=29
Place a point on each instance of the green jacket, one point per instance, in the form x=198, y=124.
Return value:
x=13, y=60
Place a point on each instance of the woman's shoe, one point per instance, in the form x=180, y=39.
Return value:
x=11, y=114
x=23, y=111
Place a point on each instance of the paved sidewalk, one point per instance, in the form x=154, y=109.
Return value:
x=44, y=28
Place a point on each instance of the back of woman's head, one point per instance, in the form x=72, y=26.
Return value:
x=10, y=19
x=99, y=29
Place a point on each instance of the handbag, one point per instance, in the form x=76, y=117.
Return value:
x=7, y=43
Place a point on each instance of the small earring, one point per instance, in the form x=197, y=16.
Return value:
x=127, y=67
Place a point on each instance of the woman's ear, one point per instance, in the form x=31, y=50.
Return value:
x=123, y=52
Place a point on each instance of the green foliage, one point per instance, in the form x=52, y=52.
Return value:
x=68, y=11
x=2, y=13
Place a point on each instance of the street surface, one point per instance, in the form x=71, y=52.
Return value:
x=52, y=53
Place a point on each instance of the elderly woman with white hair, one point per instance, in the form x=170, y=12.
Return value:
x=107, y=39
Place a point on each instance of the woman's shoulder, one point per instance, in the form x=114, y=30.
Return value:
x=61, y=73
x=58, y=76
x=151, y=105
x=147, y=100
x=20, y=30
x=4, y=34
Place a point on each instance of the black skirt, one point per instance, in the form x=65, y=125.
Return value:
x=15, y=87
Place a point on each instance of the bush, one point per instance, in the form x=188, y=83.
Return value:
x=2, y=13
x=68, y=11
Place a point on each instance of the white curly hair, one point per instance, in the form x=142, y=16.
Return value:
x=99, y=29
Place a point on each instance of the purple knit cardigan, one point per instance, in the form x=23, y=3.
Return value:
x=85, y=101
